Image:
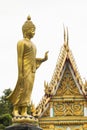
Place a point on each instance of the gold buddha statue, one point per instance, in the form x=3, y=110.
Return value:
x=27, y=66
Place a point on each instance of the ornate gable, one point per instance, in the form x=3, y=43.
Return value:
x=65, y=100
x=65, y=86
x=68, y=86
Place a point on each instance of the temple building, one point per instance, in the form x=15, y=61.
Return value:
x=64, y=104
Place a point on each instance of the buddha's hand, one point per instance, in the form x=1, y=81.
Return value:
x=46, y=56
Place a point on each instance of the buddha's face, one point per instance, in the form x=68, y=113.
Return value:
x=30, y=33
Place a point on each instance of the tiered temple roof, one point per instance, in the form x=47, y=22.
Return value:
x=65, y=57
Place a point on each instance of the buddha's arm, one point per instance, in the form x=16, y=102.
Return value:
x=41, y=60
x=20, y=50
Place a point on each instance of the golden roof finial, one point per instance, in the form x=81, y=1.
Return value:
x=66, y=37
x=64, y=34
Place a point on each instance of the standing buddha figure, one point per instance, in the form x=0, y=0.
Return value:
x=27, y=66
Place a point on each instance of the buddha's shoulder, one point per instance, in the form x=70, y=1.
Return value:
x=20, y=43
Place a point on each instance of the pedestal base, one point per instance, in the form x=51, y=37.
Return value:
x=23, y=127
x=25, y=119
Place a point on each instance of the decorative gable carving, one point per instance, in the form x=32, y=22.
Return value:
x=67, y=86
x=68, y=109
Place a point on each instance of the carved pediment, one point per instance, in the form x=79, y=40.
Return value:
x=68, y=109
x=68, y=86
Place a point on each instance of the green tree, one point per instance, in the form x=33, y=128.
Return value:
x=5, y=120
x=5, y=105
x=5, y=110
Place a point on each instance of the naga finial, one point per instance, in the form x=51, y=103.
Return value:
x=66, y=36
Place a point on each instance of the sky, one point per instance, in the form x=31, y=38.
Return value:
x=48, y=17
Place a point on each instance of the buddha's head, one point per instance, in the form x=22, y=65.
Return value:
x=28, y=28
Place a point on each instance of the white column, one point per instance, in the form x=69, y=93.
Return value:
x=85, y=111
x=68, y=128
x=51, y=110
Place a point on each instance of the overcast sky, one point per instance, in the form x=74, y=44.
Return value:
x=49, y=17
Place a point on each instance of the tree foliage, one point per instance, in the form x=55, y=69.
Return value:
x=5, y=110
x=5, y=105
x=6, y=119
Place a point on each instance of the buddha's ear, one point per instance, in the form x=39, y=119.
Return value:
x=24, y=34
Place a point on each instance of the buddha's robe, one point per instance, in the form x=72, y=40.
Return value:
x=27, y=65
